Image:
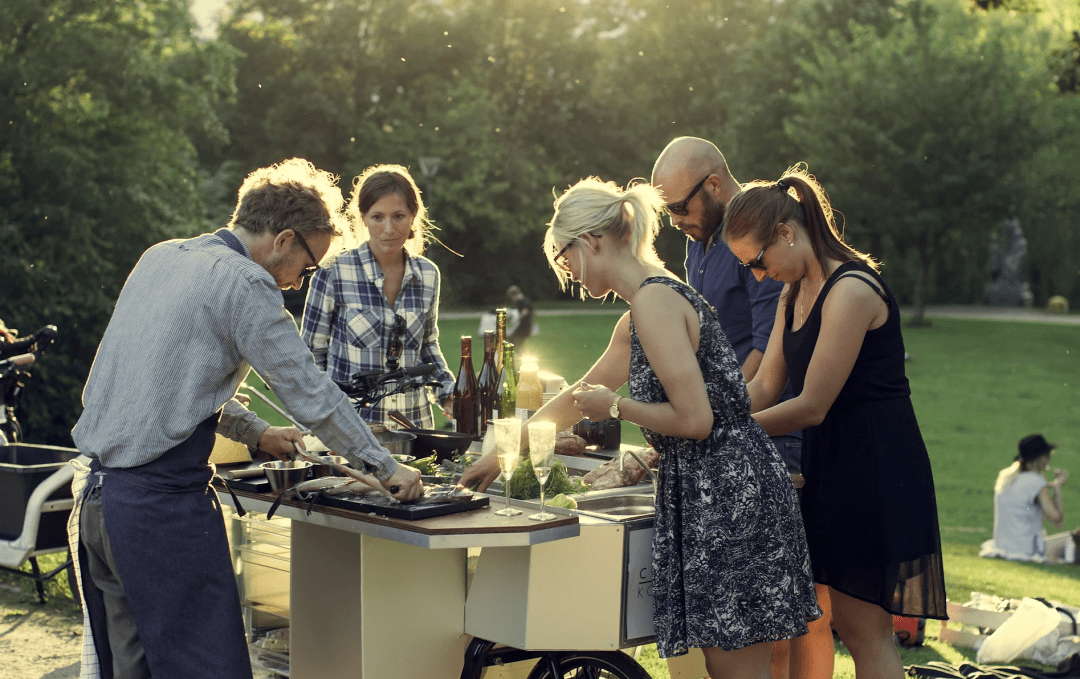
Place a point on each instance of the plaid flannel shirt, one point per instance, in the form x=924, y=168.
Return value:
x=348, y=325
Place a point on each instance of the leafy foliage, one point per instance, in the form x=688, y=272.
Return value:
x=929, y=121
x=918, y=133
x=98, y=100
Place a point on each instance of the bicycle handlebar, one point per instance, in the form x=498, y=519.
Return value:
x=39, y=340
x=367, y=388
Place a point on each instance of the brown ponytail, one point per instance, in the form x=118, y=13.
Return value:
x=762, y=205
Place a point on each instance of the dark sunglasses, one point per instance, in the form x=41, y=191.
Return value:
x=755, y=263
x=396, y=345
x=680, y=207
x=306, y=273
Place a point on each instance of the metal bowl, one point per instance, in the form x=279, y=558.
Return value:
x=325, y=469
x=397, y=442
x=284, y=475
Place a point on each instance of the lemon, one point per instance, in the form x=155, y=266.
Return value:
x=563, y=500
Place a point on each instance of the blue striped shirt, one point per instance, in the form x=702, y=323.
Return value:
x=193, y=318
x=348, y=324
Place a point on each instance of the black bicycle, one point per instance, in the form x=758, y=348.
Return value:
x=15, y=361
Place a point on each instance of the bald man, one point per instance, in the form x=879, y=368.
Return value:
x=698, y=184
x=696, y=181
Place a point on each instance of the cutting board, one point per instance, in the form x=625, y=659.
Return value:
x=403, y=511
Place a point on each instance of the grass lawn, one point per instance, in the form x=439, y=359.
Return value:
x=978, y=386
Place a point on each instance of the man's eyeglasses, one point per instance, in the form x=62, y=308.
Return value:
x=306, y=273
x=680, y=207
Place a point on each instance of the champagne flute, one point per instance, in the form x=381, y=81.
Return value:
x=542, y=452
x=508, y=448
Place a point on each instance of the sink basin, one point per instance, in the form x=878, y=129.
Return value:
x=618, y=505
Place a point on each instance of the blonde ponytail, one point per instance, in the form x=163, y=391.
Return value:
x=604, y=209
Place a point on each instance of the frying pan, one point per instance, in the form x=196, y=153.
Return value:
x=445, y=444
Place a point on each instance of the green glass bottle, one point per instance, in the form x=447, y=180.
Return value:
x=506, y=391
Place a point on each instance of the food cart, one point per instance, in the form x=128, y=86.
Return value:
x=380, y=597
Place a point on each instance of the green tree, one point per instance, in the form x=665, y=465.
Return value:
x=1050, y=195
x=768, y=74
x=918, y=136
x=98, y=102
x=498, y=91
x=1050, y=209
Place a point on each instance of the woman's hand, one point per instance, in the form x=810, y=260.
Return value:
x=1060, y=477
x=479, y=475
x=448, y=408
x=594, y=401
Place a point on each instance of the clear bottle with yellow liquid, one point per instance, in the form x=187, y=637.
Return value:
x=530, y=390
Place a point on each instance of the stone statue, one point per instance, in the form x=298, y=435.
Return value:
x=1005, y=285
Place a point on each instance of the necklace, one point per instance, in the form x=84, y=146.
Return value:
x=806, y=297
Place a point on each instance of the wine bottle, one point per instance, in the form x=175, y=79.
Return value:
x=466, y=393
x=488, y=381
x=500, y=337
x=530, y=391
x=506, y=390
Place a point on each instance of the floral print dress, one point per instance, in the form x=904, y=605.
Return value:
x=730, y=563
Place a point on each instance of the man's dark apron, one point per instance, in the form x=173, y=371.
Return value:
x=168, y=538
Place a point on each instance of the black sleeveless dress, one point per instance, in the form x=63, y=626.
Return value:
x=868, y=504
x=730, y=564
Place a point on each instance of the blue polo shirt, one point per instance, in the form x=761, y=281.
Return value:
x=745, y=307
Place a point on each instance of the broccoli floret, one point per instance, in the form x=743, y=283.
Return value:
x=524, y=486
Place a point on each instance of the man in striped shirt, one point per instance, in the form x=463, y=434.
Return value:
x=193, y=318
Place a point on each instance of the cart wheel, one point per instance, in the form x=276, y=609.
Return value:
x=589, y=665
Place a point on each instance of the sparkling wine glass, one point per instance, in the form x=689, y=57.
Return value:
x=542, y=452
x=508, y=448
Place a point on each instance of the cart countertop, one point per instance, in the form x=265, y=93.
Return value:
x=477, y=528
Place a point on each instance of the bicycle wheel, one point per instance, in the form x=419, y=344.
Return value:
x=590, y=665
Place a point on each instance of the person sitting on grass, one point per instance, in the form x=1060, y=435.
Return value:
x=1022, y=499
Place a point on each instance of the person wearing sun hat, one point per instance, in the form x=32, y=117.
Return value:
x=1022, y=499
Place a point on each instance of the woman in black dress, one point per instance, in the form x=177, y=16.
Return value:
x=868, y=504
x=730, y=567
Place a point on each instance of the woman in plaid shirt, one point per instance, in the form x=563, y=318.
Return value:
x=382, y=296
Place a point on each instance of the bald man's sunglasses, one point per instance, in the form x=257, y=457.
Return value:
x=680, y=207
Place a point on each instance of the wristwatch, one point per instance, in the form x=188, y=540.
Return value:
x=615, y=408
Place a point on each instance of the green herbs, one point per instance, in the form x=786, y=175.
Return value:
x=524, y=486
